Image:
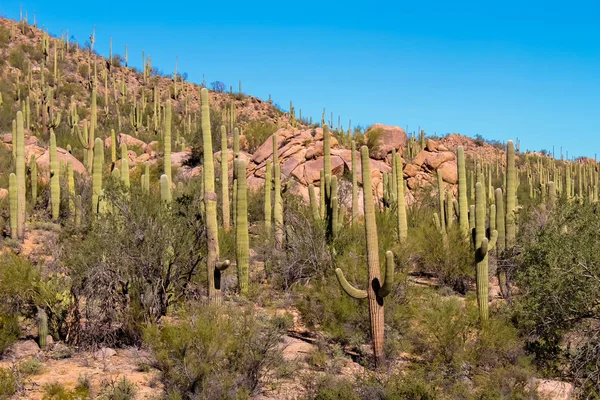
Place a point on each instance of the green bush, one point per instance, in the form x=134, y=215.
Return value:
x=257, y=132
x=9, y=330
x=134, y=262
x=215, y=353
x=558, y=276
x=56, y=391
x=121, y=389
x=8, y=383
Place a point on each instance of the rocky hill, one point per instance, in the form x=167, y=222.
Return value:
x=26, y=52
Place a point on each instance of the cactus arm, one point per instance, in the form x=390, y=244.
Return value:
x=493, y=240
x=222, y=265
x=82, y=139
x=348, y=288
x=386, y=288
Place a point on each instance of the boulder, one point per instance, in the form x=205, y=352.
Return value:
x=3, y=193
x=105, y=352
x=555, y=390
x=390, y=137
x=449, y=172
x=292, y=162
x=431, y=145
x=64, y=156
x=312, y=168
x=434, y=160
x=179, y=158
x=420, y=158
x=24, y=349
x=130, y=141
x=411, y=170
x=254, y=183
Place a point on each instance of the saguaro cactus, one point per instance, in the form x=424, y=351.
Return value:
x=400, y=200
x=463, y=202
x=441, y=198
x=125, y=165
x=377, y=290
x=165, y=189
x=86, y=139
x=54, y=177
x=167, y=141
x=34, y=179
x=278, y=202
x=511, y=187
x=242, y=244
x=20, y=173
x=12, y=196
x=354, y=183
x=225, y=180
x=42, y=323
x=214, y=267
x=267, y=203
x=97, y=175
x=482, y=247
x=71, y=186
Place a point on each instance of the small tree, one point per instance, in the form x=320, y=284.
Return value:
x=218, y=86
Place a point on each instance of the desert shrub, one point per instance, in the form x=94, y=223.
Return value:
x=23, y=290
x=558, y=276
x=4, y=36
x=134, y=262
x=329, y=388
x=212, y=353
x=56, y=391
x=30, y=367
x=257, y=132
x=372, y=139
x=305, y=256
x=450, y=259
x=17, y=58
x=216, y=120
x=9, y=330
x=120, y=389
x=9, y=383
x=459, y=357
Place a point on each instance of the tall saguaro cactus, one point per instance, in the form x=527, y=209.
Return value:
x=277, y=200
x=167, y=141
x=34, y=179
x=20, y=173
x=242, y=244
x=354, y=183
x=97, y=175
x=267, y=203
x=225, y=180
x=377, y=290
x=482, y=247
x=213, y=266
x=12, y=197
x=463, y=201
x=400, y=200
x=511, y=187
x=54, y=177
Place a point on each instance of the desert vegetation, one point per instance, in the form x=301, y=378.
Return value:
x=190, y=242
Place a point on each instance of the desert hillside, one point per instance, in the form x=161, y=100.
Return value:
x=163, y=239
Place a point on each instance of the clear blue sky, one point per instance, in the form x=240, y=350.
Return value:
x=527, y=69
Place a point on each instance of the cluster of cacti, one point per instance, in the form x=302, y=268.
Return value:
x=377, y=289
x=329, y=208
